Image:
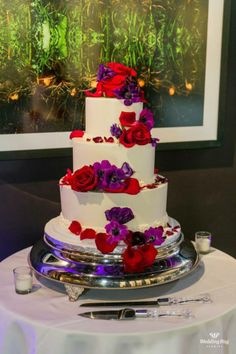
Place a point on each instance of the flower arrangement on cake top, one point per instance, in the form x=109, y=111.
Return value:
x=117, y=80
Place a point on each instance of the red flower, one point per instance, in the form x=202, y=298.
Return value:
x=88, y=233
x=76, y=134
x=138, y=259
x=132, y=258
x=137, y=134
x=107, y=86
x=84, y=179
x=127, y=118
x=149, y=253
x=122, y=69
x=103, y=244
x=75, y=227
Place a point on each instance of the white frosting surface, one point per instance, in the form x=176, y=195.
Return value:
x=140, y=158
x=102, y=112
x=148, y=206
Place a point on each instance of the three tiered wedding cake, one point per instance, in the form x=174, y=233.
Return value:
x=114, y=202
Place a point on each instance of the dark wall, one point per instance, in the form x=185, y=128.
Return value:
x=202, y=184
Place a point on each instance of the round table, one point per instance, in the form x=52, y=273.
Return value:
x=45, y=322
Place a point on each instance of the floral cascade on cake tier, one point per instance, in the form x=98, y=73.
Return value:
x=114, y=202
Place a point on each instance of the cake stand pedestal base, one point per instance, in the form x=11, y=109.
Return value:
x=73, y=291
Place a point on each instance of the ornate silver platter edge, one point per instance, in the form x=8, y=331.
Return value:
x=78, y=276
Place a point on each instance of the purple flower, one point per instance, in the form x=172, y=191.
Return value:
x=109, y=176
x=121, y=215
x=154, y=235
x=127, y=170
x=130, y=93
x=116, y=231
x=154, y=141
x=146, y=117
x=113, y=178
x=104, y=73
x=115, y=131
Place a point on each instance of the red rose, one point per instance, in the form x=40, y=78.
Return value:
x=149, y=253
x=84, y=179
x=121, y=69
x=76, y=134
x=132, y=258
x=107, y=87
x=138, y=259
x=88, y=233
x=127, y=118
x=137, y=134
x=103, y=244
x=75, y=227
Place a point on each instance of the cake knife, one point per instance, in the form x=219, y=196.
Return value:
x=131, y=314
x=164, y=301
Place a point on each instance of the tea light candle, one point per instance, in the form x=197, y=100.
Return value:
x=203, y=241
x=23, y=278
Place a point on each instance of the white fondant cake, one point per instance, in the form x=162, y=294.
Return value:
x=113, y=193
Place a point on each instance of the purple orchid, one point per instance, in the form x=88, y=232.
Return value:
x=146, y=117
x=154, y=235
x=104, y=73
x=130, y=93
x=116, y=231
x=121, y=215
x=116, y=131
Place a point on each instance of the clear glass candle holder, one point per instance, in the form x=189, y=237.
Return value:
x=23, y=280
x=203, y=241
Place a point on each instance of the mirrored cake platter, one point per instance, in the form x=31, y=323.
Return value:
x=79, y=275
x=84, y=255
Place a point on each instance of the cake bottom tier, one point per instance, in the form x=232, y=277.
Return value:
x=57, y=233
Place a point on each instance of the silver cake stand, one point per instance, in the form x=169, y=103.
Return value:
x=78, y=270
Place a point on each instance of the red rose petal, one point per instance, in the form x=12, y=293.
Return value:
x=75, y=227
x=76, y=134
x=88, y=233
x=109, y=140
x=132, y=186
x=102, y=243
x=98, y=139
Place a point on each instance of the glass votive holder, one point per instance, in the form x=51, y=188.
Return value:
x=23, y=279
x=203, y=241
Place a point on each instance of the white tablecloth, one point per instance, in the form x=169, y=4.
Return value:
x=45, y=322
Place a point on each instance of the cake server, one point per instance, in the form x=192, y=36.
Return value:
x=164, y=301
x=131, y=314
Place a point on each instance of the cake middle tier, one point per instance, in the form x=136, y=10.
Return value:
x=140, y=158
x=88, y=208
